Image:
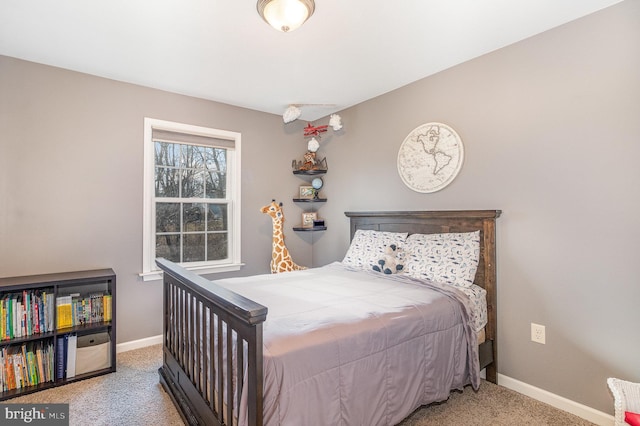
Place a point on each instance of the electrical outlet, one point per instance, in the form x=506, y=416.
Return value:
x=537, y=333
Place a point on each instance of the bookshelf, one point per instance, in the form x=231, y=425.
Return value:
x=56, y=329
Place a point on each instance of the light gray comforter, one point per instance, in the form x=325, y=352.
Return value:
x=347, y=347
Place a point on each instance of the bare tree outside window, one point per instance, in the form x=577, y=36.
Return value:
x=191, y=202
x=191, y=198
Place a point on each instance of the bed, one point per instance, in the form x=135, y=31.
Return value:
x=222, y=364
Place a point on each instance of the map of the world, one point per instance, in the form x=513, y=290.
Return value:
x=430, y=157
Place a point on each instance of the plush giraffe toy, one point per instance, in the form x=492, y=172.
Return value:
x=280, y=258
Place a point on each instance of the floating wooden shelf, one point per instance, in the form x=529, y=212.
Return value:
x=310, y=200
x=309, y=172
x=315, y=228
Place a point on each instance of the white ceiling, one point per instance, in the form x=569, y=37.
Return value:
x=349, y=50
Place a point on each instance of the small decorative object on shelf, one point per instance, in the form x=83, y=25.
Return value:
x=310, y=164
x=307, y=192
x=308, y=218
x=317, y=184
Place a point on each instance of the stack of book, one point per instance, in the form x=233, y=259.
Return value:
x=27, y=313
x=66, y=347
x=26, y=365
x=75, y=309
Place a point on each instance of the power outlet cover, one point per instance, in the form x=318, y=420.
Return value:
x=538, y=333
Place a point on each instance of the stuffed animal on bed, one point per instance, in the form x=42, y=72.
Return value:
x=389, y=264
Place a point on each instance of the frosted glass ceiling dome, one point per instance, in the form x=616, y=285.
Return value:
x=285, y=15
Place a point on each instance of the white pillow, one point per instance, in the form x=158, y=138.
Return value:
x=445, y=258
x=367, y=247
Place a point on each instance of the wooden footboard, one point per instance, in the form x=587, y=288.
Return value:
x=208, y=332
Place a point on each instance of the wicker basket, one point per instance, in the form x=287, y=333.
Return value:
x=626, y=398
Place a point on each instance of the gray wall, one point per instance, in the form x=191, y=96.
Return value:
x=551, y=128
x=71, y=161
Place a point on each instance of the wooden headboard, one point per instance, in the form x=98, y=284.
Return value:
x=435, y=222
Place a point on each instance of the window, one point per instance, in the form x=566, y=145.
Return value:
x=192, y=197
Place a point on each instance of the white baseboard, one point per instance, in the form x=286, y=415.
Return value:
x=137, y=344
x=580, y=410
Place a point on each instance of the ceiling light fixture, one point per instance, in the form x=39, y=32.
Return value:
x=286, y=15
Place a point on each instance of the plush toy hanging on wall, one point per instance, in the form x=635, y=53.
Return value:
x=280, y=258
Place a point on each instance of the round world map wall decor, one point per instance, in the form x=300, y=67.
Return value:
x=430, y=157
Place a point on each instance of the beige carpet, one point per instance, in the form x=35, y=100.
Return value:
x=133, y=396
x=130, y=396
x=492, y=405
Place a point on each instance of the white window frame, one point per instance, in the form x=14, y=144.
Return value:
x=150, y=270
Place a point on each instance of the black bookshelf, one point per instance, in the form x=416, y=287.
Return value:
x=31, y=332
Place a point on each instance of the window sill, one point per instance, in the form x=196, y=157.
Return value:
x=200, y=270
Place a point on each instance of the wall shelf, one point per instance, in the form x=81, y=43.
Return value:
x=310, y=200
x=315, y=228
x=309, y=172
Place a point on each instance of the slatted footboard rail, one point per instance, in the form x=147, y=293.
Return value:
x=212, y=339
